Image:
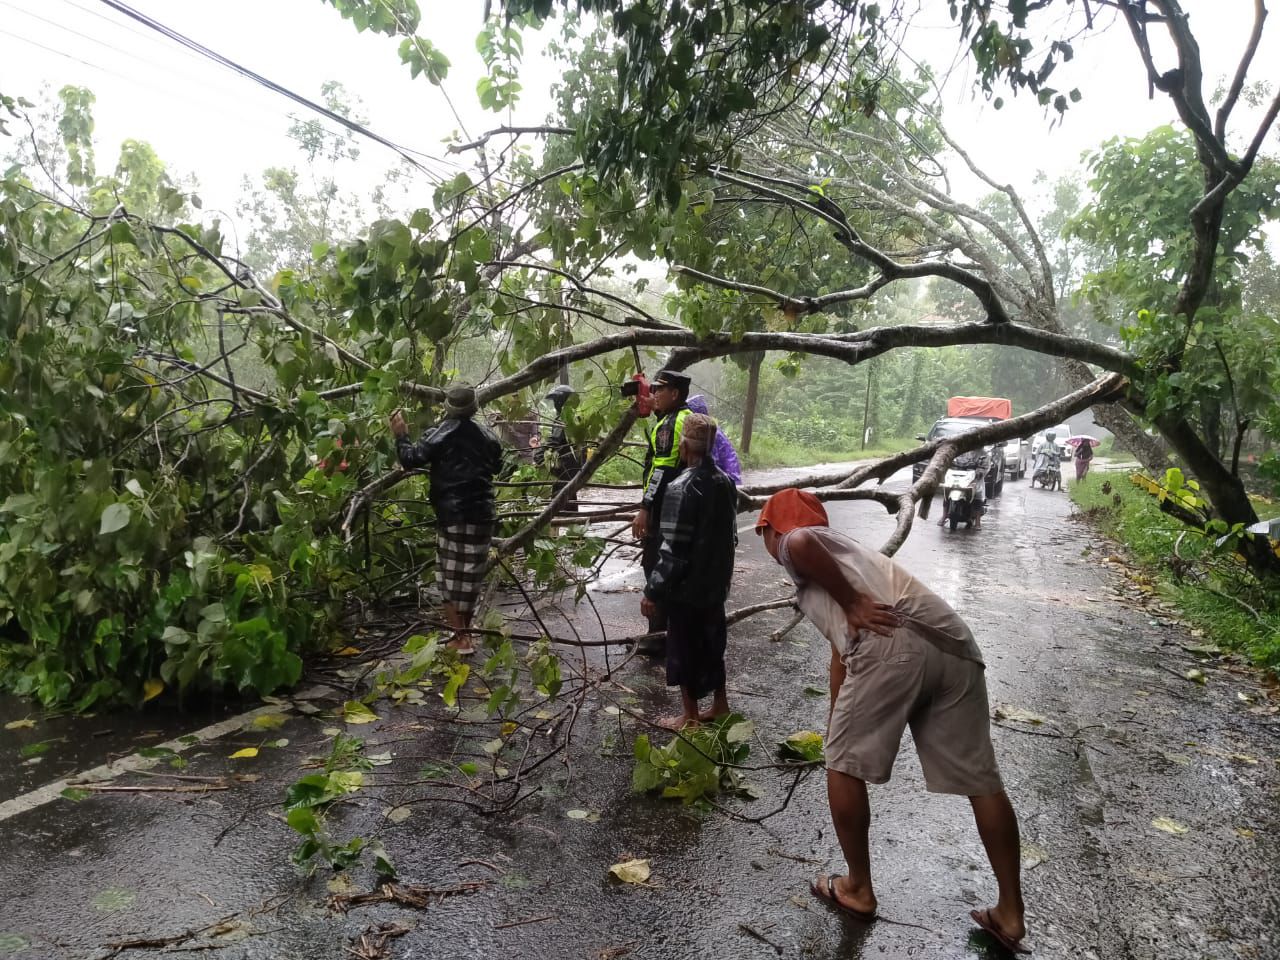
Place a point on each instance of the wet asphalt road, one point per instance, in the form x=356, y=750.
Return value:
x=1125, y=741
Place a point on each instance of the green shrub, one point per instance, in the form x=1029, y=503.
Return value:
x=1210, y=587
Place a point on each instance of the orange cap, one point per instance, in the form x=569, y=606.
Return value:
x=791, y=508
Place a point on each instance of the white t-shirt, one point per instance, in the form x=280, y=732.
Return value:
x=879, y=577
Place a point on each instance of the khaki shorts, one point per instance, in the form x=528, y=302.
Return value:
x=901, y=681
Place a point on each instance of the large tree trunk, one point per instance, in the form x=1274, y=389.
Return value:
x=1150, y=451
x=749, y=407
x=1224, y=490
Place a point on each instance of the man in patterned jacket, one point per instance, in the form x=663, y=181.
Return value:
x=670, y=392
x=691, y=577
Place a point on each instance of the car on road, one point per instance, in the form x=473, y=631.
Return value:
x=950, y=427
x=1017, y=454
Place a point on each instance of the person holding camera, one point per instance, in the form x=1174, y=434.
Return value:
x=669, y=394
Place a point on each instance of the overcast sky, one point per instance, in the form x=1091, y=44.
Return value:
x=206, y=120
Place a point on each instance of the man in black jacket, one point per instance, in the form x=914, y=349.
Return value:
x=461, y=457
x=691, y=577
x=558, y=453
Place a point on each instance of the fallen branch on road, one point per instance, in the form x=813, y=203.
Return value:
x=373, y=942
x=416, y=895
x=527, y=920
x=116, y=947
x=158, y=788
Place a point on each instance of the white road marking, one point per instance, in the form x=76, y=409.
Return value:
x=107, y=771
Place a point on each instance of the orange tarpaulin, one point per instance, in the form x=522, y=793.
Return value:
x=997, y=407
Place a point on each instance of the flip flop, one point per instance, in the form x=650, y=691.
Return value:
x=983, y=919
x=829, y=897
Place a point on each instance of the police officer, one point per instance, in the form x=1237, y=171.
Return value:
x=670, y=391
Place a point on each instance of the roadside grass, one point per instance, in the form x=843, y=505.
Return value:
x=1267, y=508
x=1213, y=591
x=773, y=451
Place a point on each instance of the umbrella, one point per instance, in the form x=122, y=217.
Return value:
x=1082, y=438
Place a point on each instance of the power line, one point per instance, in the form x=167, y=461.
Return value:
x=200, y=85
x=196, y=95
x=200, y=82
x=258, y=78
x=67, y=56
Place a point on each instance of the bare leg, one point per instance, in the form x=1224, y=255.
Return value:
x=851, y=814
x=998, y=828
x=719, y=706
x=689, y=705
x=459, y=621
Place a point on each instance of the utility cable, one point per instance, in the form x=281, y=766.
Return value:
x=258, y=78
x=168, y=68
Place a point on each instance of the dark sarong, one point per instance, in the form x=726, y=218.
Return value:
x=696, y=639
x=462, y=549
x=649, y=560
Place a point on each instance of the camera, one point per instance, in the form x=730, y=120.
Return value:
x=638, y=389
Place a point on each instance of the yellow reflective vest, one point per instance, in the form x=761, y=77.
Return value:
x=662, y=460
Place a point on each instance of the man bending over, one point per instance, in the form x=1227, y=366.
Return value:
x=900, y=657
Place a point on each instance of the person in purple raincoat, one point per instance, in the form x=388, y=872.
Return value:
x=723, y=455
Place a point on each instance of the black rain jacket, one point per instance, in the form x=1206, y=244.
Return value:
x=461, y=457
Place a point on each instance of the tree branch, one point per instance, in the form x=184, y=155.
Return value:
x=1242, y=70
x=892, y=269
x=503, y=130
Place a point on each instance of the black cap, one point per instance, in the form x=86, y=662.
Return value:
x=671, y=378
x=559, y=394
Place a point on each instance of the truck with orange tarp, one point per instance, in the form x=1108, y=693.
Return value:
x=966, y=413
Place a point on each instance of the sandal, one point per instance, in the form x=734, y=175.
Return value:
x=983, y=919
x=832, y=899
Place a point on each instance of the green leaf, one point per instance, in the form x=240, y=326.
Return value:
x=346, y=781
x=805, y=745
x=303, y=820
x=12, y=943
x=114, y=899
x=353, y=711
x=382, y=864
x=115, y=517
x=457, y=678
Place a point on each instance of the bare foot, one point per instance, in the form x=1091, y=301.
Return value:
x=461, y=643
x=677, y=722
x=714, y=713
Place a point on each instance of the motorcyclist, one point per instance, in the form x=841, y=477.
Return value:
x=1047, y=455
x=980, y=468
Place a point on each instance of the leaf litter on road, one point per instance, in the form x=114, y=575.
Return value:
x=631, y=871
x=1169, y=825
x=1033, y=855
x=1018, y=715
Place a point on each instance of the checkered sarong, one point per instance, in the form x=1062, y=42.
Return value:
x=461, y=552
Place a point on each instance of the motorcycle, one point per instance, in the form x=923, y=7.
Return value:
x=1048, y=468
x=960, y=500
